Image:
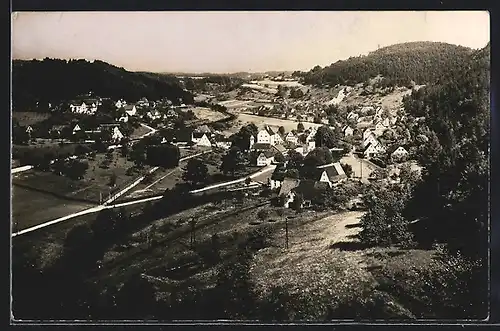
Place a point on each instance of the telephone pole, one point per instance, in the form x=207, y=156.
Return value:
x=286, y=232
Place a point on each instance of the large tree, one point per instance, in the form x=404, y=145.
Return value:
x=195, y=171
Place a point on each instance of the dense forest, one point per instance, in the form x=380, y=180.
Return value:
x=453, y=187
x=54, y=80
x=400, y=64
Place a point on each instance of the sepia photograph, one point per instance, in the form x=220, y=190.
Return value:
x=250, y=166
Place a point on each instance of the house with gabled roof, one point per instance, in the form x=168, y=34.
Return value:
x=347, y=130
x=373, y=149
x=276, y=179
x=286, y=190
x=201, y=139
x=131, y=110
x=291, y=137
x=331, y=173
x=370, y=139
x=76, y=128
x=29, y=129
x=398, y=153
x=265, y=158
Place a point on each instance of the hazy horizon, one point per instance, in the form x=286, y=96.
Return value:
x=229, y=42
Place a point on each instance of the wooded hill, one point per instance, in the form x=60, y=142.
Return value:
x=55, y=80
x=420, y=62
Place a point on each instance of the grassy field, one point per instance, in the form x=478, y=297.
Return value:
x=139, y=132
x=96, y=180
x=29, y=118
x=30, y=208
x=208, y=115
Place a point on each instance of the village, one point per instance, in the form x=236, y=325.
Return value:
x=362, y=138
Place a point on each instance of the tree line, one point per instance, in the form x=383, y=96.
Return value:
x=400, y=65
x=36, y=83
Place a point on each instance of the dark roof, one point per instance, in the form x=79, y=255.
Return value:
x=267, y=153
x=203, y=128
x=261, y=147
x=197, y=134
x=288, y=185
x=269, y=130
x=177, y=135
x=309, y=188
x=334, y=171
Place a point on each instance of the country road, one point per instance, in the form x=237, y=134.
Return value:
x=106, y=205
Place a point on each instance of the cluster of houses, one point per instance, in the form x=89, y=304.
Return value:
x=113, y=130
x=310, y=188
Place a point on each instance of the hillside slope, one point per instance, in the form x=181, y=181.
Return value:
x=54, y=80
x=421, y=62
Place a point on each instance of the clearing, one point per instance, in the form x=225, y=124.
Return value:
x=207, y=114
x=30, y=208
x=29, y=118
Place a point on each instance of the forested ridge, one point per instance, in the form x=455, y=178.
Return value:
x=400, y=64
x=55, y=80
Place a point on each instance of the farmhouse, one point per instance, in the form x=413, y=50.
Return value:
x=131, y=110
x=286, y=190
x=291, y=137
x=370, y=139
x=200, y=139
x=399, y=154
x=87, y=106
x=120, y=103
x=331, y=173
x=267, y=135
x=373, y=149
x=265, y=158
x=76, y=129
x=276, y=179
x=116, y=134
x=123, y=117
x=348, y=131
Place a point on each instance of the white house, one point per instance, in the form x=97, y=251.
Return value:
x=276, y=179
x=348, y=131
x=286, y=190
x=123, y=118
x=399, y=154
x=372, y=150
x=29, y=129
x=130, y=110
x=331, y=173
x=291, y=137
x=200, y=139
x=116, y=135
x=265, y=158
x=370, y=139
x=120, y=103
x=311, y=135
x=367, y=133
x=268, y=136
x=76, y=129
x=352, y=115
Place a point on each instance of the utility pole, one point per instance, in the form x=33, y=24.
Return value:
x=286, y=232
x=192, y=222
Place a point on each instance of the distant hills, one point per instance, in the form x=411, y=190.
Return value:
x=400, y=64
x=54, y=80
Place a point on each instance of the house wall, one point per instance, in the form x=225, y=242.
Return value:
x=263, y=161
x=263, y=137
x=289, y=199
x=204, y=141
x=324, y=178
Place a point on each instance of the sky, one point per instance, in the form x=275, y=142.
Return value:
x=223, y=42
